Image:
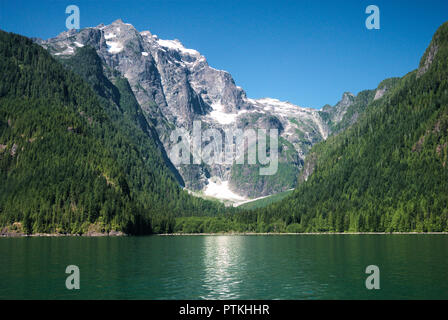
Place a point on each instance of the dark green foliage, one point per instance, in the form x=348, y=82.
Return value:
x=72, y=159
x=389, y=171
x=265, y=201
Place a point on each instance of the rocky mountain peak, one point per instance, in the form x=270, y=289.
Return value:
x=175, y=86
x=347, y=99
x=439, y=41
x=118, y=21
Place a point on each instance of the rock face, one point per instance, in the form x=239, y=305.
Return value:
x=427, y=59
x=308, y=168
x=175, y=86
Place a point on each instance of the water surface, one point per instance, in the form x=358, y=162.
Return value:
x=226, y=267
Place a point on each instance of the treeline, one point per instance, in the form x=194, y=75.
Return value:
x=246, y=222
x=388, y=171
x=71, y=158
x=76, y=152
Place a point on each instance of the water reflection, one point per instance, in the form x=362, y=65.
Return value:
x=226, y=267
x=224, y=264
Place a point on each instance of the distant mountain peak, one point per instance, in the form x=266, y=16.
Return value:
x=119, y=21
x=347, y=99
x=177, y=46
x=174, y=85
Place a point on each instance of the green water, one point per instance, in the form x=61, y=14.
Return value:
x=226, y=267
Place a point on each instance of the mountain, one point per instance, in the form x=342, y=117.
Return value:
x=174, y=86
x=389, y=170
x=76, y=153
x=81, y=153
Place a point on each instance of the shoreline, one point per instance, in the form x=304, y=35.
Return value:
x=121, y=234
x=56, y=235
x=294, y=234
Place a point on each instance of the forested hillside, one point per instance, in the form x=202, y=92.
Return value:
x=389, y=171
x=77, y=154
x=72, y=160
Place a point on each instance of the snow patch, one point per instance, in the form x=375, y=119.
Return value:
x=79, y=45
x=223, y=118
x=145, y=54
x=220, y=190
x=219, y=115
x=282, y=108
x=176, y=45
x=109, y=36
x=114, y=47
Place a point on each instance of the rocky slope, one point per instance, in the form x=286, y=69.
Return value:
x=388, y=171
x=175, y=86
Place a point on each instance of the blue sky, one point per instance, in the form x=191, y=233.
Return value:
x=305, y=52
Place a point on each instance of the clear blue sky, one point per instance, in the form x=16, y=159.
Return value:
x=305, y=52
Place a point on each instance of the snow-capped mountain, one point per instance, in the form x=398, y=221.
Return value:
x=175, y=85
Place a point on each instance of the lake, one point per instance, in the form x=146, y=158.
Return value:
x=226, y=267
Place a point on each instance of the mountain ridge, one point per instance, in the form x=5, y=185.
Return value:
x=175, y=86
x=388, y=172
x=76, y=154
x=73, y=162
